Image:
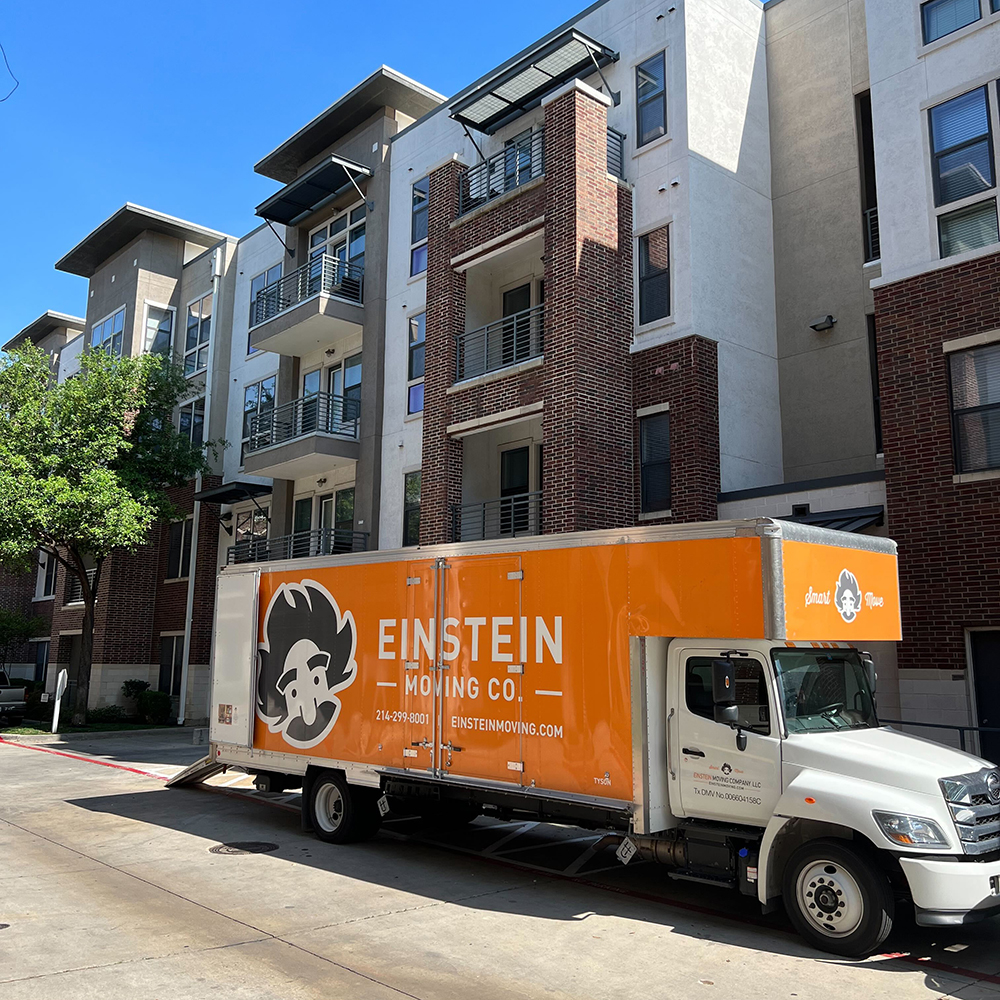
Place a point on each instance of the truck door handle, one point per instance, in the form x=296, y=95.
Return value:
x=691, y=752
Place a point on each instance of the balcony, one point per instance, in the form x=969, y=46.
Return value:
x=515, y=165
x=305, y=437
x=500, y=344
x=504, y=517
x=873, y=249
x=301, y=545
x=310, y=308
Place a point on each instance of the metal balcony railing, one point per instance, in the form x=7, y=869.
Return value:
x=616, y=153
x=74, y=592
x=504, y=342
x=504, y=517
x=321, y=274
x=873, y=250
x=517, y=163
x=301, y=545
x=321, y=413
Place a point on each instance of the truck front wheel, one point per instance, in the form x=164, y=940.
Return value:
x=837, y=899
x=341, y=814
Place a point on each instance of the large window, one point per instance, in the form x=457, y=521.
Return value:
x=45, y=580
x=969, y=228
x=415, y=365
x=942, y=17
x=171, y=663
x=199, y=331
x=961, y=147
x=344, y=240
x=257, y=284
x=975, y=401
x=654, y=275
x=418, y=227
x=251, y=534
x=109, y=334
x=750, y=693
x=191, y=421
x=159, y=330
x=411, y=508
x=258, y=401
x=651, y=99
x=179, y=549
x=654, y=463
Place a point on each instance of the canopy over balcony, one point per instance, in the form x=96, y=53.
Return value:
x=329, y=179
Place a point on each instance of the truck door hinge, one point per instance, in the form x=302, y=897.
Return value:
x=412, y=665
x=517, y=574
x=412, y=581
x=515, y=765
x=515, y=668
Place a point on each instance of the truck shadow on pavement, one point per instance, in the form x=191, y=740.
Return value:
x=492, y=866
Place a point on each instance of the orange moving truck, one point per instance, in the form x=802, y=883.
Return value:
x=698, y=688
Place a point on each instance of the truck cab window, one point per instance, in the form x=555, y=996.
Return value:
x=823, y=690
x=751, y=692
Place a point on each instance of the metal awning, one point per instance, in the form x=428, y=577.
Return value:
x=331, y=177
x=234, y=492
x=853, y=519
x=522, y=86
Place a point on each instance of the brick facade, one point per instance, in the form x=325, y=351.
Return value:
x=948, y=532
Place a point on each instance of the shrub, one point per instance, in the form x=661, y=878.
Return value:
x=109, y=713
x=132, y=689
x=155, y=707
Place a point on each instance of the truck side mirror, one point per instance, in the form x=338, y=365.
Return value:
x=723, y=682
x=869, y=664
x=727, y=715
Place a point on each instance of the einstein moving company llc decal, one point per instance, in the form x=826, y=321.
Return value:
x=307, y=656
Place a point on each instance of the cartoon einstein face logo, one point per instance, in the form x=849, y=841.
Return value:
x=306, y=657
x=848, y=596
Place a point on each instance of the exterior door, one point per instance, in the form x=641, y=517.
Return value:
x=717, y=780
x=310, y=402
x=514, y=477
x=516, y=344
x=986, y=672
x=302, y=527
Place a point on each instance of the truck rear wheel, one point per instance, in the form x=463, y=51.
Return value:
x=341, y=814
x=837, y=899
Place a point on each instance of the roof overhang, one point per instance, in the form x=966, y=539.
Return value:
x=385, y=88
x=124, y=226
x=40, y=328
x=521, y=87
x=315, y=188
x=235, y=492
x=852, y=519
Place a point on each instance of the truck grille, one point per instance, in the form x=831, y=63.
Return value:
x=974, y=800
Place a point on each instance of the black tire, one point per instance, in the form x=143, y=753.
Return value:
x=341, y=814
x=837, y=899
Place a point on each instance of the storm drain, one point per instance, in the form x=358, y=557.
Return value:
x=244, y=847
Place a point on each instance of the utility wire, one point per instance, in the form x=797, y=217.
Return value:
x=17, y=83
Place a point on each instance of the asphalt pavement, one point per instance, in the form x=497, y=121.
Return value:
x=114, y=885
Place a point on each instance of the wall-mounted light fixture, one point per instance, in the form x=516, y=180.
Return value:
x=321, y=482
x=822, y=323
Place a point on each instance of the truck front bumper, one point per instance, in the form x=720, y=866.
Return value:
x=952, y=892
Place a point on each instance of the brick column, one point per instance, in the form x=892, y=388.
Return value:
x=441, y=461
x=587, y=381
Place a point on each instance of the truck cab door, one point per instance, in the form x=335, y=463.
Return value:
x=714, y=778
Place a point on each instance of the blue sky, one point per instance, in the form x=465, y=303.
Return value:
x=170, y=105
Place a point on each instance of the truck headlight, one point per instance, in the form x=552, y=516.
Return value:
x=910, y=831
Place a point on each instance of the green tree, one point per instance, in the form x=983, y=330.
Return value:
x=85, y=466
x=16, y=629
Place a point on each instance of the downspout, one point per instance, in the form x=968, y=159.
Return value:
x=196, y=520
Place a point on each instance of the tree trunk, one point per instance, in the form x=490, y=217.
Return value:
x=86, y=642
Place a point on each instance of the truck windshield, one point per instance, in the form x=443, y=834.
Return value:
x=823, y=690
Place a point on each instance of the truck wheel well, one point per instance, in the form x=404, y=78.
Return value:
x=800, y=831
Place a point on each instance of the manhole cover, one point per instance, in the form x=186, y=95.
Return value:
x=244, y=847
x=4, y=927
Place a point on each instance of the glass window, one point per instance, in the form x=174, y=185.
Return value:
x=822, y=690
x=751, y=691
x=654, y=275
x=199, y=332
x=258, y=402
x=251, y=535
x=179, y=549
x=41, y=659
x=344, y=240
x=109, y=334
x=969, y=228
x=411, y=508
x=651, y=98
x=942, y=17
x=961, y=147
x=159, y=330
x=415, y=365
x=45, y=581
x=171, y=663
x=418, y=259
x=264, y=308
x=975, y=401
x=418, y=226
x=191, y=423
x=654, y=469
x=873, y=372
x=352, y=388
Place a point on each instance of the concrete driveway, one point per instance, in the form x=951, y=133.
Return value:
x=110, y=888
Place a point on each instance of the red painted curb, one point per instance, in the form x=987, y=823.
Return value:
x=86, y=760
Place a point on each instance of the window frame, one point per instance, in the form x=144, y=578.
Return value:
x=245, y=437
x=342, y=236
x=280, y=268
x=45, y=576
x=964, y=210
x=645, y=507
x=186, y=531
x=192, y=404
x=668, y=271
x=146, y=306
x=418, y=244
x=660, y=95
x=955, y=412
x=104, y=345
x=924, y=40
x=757, y=728
x=413, y=381
x=200, y=345
x=409, y=509
x=176, y=664
x=937, y=155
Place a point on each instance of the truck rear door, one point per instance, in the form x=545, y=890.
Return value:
x=715, y=779
x=234, y=661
